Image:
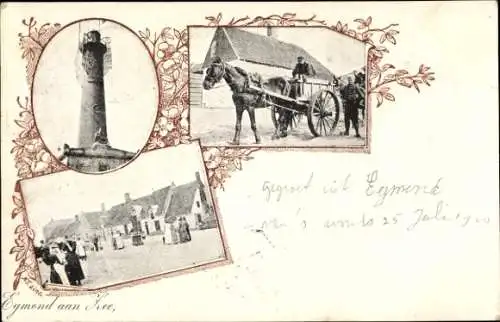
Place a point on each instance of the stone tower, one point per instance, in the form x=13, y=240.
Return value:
x=94, y=153
x=93, y=105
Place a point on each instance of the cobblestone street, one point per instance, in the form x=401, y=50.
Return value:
x=113, y=266
x=216, y=127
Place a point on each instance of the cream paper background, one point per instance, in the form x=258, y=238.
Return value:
x=450, y=130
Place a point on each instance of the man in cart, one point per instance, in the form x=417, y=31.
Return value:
x=299, y=73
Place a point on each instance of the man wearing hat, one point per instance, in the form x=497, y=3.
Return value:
x=301, y=70
x=350, y=94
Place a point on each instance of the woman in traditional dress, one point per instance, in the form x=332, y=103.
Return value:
x=80, y=250
x=183, y=233
x=49, y=260
x=59, y=264
x=73, y=267
x=188, y=231
x=176, y=237
x=118, y=241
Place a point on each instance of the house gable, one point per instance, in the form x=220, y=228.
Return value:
x=56, y=228
x=182, y=199
x=220, y=46
x=197, y=205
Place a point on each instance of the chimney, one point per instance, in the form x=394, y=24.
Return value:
x=103, y=207
x=201, y=188
x=269, y=31
x=198, y=178
x=77, y=218
x=127, y=197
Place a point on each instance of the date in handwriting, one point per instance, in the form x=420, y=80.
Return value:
x=410, y=220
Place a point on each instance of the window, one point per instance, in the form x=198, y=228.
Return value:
x=103, y=167
x=79, y=165
x=157, y=225
x=198, y=204
x=198, y=218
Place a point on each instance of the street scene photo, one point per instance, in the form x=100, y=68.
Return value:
x=144, y=220
x=277, y=86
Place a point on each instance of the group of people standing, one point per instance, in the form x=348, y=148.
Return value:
x=64, y=258
x=177, y=232
x=353, y=99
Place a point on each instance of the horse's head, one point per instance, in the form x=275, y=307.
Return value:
x=214, y=74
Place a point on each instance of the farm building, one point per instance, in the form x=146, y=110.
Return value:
x=195, y=88
x=255, y=53
x=84, y=225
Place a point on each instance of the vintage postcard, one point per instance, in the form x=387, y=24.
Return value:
x=211, y=161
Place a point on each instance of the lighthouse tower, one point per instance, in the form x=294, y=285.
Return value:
x=93, y=105
x=94, y=153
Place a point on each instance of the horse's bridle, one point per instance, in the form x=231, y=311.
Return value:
x=219, y=77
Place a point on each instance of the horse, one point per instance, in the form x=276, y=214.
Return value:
x=244, y=97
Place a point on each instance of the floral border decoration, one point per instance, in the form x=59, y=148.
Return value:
x=169, y=51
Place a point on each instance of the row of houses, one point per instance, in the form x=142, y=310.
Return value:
x=148, y=213
x=256, y=53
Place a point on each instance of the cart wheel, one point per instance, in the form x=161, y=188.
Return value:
x=323, y=113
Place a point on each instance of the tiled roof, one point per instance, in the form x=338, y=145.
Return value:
x=160, y=197
x=56, y=228
x=271, y=51
x=180, y=204
x=94, y=219
x=182, y=199
x=118, y=215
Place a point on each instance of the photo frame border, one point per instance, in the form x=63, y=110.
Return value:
x=31, y=81
x=365, y=148
x=49, y=289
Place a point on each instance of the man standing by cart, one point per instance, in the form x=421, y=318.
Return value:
x=350, y=94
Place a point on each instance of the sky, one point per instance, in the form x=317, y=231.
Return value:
x=339, y=53
x=65, y=194
x=131, y=89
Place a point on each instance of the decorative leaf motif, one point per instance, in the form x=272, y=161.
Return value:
x=380, y=99
x=386, y=67
x=383, y=37
x=30, y=233
x=389, y=77
x=391, y=38
x=16, y=281
x=15, y=249
x=389, y=97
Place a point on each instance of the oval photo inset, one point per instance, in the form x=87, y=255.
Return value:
x=95, y=95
